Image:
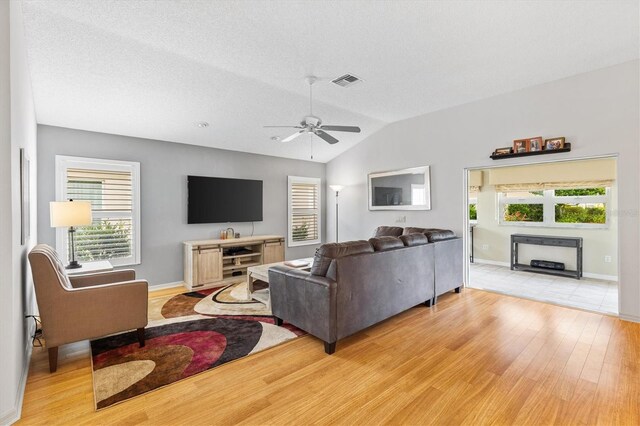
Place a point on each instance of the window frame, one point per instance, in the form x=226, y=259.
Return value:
x=549, y=201
x=301, y=179
x=64, y=162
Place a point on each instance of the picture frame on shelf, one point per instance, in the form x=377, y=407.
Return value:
x=503, y=151
x=536, y=144
x=554, y=143
x=520, y=146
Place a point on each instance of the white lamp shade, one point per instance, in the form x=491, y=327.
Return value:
x=70, y=213
x=336, y=188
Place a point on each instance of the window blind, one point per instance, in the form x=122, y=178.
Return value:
x=304, y=211
x=515, y=187
x=110, y=236
x=304, y=205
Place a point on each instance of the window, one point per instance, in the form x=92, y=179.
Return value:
x=473, y=205
x=304, y=211
x=581, y=207
x=112, y=187
x=418, y=195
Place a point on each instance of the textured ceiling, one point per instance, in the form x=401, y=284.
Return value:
x=153, y=69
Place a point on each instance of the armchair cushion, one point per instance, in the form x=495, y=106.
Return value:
x=55, y=262
x=98, y=278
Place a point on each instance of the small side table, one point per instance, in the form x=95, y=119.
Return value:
x=91, y=267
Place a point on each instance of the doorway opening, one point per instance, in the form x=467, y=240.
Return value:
x=546, y=232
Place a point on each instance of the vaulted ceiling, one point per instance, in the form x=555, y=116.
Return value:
x=153, y=69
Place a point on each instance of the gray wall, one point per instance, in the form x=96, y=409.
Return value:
x=598, y=112
x=17, y=130
x=164, y=167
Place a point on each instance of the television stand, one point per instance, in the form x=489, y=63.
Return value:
x=213, y=263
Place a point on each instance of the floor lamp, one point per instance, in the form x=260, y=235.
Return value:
x=337, y=189
x=69, y=214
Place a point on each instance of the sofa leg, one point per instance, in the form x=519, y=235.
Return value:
x=434, y=301
x=428, y=303
x=458, y=289
x=278, y=321
x=329, y=348
x=53, y=359
x=141, y=336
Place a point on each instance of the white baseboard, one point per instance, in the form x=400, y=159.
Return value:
x=491, y=262
x=632, y=318
x=600, y=276
x=165, y=286
x=15, y=413
x=584, y=274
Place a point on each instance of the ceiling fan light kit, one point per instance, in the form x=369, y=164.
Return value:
x=313, y=125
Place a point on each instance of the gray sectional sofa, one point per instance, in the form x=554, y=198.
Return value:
x=356, y=284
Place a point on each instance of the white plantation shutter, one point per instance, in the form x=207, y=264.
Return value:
x=304, y=211
x=112, y=189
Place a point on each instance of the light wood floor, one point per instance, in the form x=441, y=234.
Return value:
x=476, y=358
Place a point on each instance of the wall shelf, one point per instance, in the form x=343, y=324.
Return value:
x=567, y=148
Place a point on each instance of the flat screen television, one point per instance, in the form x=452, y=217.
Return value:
x=218, y=200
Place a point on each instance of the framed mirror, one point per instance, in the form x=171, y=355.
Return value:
x=407, y=189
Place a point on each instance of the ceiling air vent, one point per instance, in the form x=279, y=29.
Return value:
x=346, y=80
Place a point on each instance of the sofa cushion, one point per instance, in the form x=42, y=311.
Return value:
x=327, y=252
x=388, y=231
x=440, y=235
x=413, y=230
x=385, y=243
x=433, y=234
x=416, y=239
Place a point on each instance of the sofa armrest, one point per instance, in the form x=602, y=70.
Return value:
x=91, y=312
x=88, y=280
x=311, y=279
x=304, y=300
x=449, y=265
x=321, y=282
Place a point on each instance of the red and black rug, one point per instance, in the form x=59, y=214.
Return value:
x=187, y=334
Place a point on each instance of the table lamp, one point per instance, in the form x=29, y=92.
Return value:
x=337, y=189
x=70, y=214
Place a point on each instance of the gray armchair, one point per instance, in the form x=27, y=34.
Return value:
x=85, y=306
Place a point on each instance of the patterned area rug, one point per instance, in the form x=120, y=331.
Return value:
x=187, y=334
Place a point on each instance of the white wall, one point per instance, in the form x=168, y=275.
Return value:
x=598, y=112
x=17, y=130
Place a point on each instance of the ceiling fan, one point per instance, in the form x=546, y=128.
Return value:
x=312, y=124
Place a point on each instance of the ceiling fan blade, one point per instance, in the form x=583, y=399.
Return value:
x=288, y=127
x=352, y=129
x=293, y=136
x=326, y=136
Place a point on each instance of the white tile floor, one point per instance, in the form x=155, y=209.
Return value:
x=586, y=293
